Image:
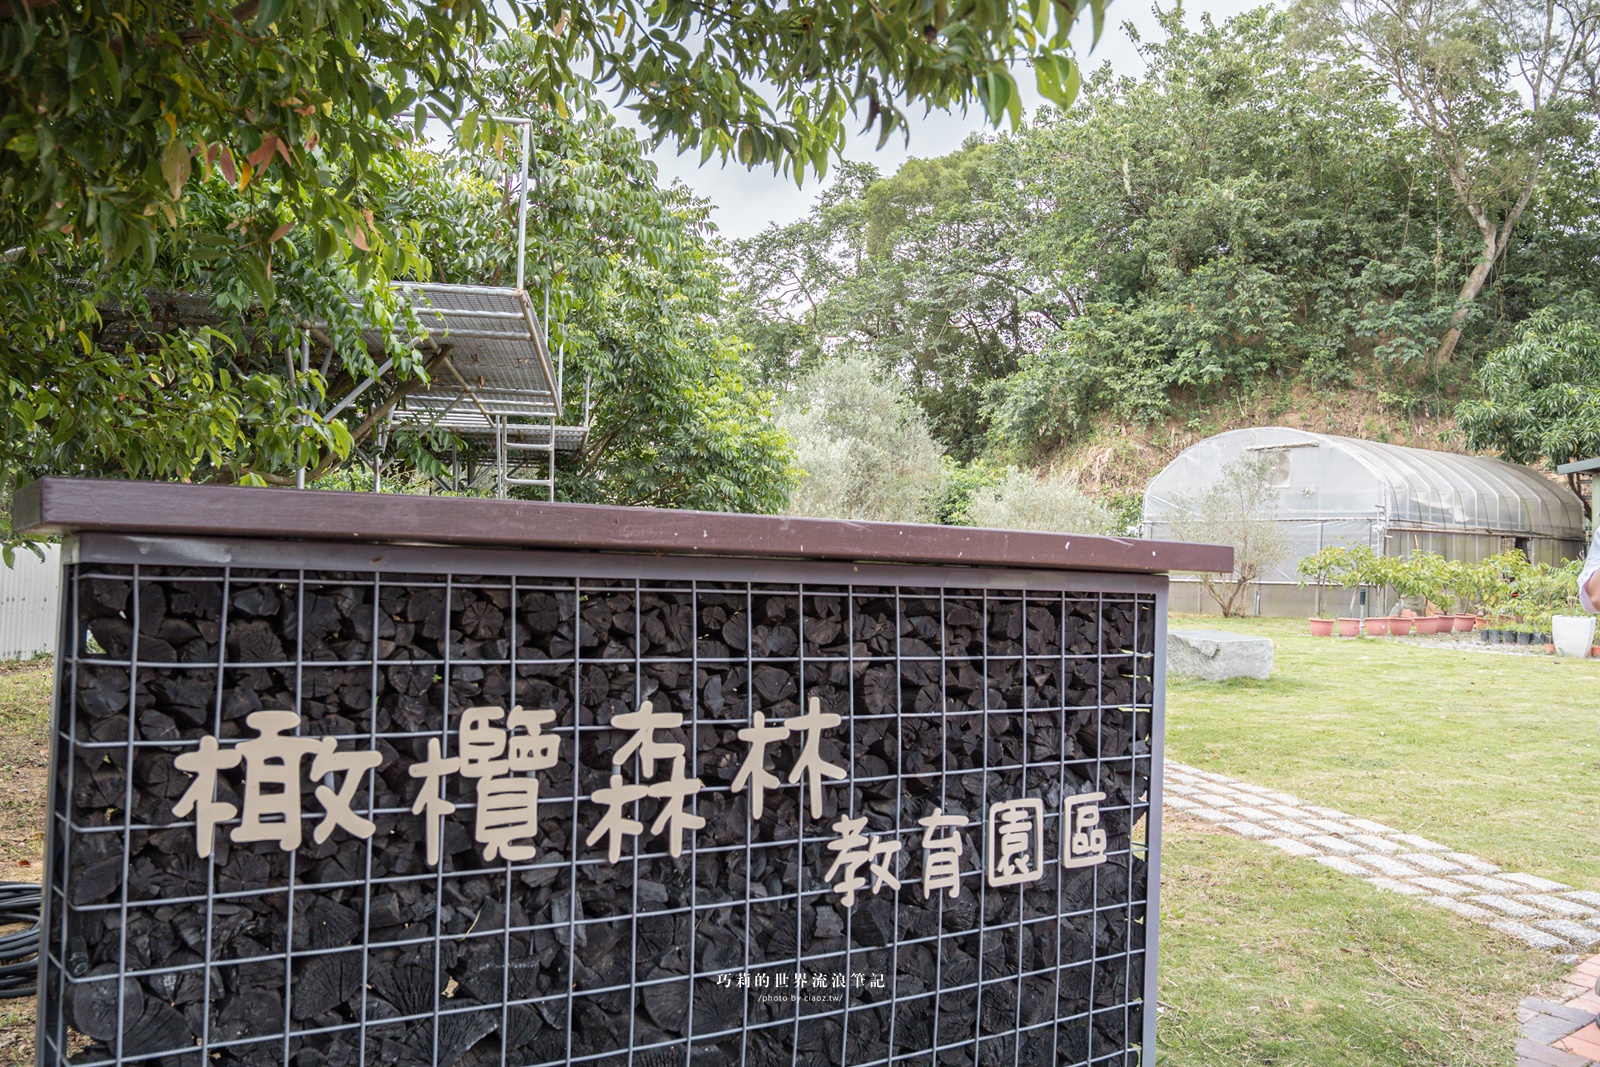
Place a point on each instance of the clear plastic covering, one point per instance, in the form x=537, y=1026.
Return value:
x=1395, y=499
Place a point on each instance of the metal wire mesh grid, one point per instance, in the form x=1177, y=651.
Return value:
x=356, y=951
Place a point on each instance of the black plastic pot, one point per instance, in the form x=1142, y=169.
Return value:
x=1496, y=637
x=1523, y=637
x=1483, y=635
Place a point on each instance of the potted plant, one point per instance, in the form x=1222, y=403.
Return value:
x=1454, y=579
x=1473, y=584
x=1417, y=576
x=1317, y=569
x=1501, y=581
x=1371, y=570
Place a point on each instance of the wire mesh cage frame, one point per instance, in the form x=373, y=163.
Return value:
x=794, y=578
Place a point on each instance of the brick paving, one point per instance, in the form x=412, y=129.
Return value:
x=1540, y=912
x=1562, y=1033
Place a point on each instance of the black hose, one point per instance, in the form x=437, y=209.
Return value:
x=19, y=949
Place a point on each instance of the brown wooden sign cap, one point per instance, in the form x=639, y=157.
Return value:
x=70, y=505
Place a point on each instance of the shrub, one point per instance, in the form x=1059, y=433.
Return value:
x=862, y=445
x=1025, y=502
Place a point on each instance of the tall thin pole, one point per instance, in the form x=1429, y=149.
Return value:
x=522, y=204
x=305, y=420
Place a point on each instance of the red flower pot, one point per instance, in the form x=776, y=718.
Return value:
x=1465, y=623
x=1377, y=626
x=1349, y=627
x=1400, y=625
x=1321, y=627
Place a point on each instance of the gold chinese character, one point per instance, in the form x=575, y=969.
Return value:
x=1016, y=842
x=614, y=824
x=272, y=784
x=644, y=723
x=811, y=763
x=1084, y=840
x=201, y=796
x=430, y=802
x=941, y=855
x=272, y=760
x=336, y=802
x=856, y=850
x=672, y=817
x=508, y=804
x=754, y=771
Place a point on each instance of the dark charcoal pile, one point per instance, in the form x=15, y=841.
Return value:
x=552, y=961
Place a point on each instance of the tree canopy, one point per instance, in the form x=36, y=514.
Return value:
x=102, y=379
x=1539, y=398
x=273, y=159
x=109, y=104
x=1252, y=206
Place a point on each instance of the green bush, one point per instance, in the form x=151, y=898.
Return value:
x=862, y=445
x=1025, y=502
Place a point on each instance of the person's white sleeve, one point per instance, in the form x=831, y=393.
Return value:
x=1591, y=564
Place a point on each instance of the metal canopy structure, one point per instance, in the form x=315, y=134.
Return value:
x=496, y=346
x=498, y=391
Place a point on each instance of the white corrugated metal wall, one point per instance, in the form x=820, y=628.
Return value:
x=30, y=603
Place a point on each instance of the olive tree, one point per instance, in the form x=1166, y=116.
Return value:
x=1238, y=509
x=862, y=446
x=1024, y=501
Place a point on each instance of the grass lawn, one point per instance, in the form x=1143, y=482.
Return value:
x=1268, y=959
x=24, y=767
x=1494, y=754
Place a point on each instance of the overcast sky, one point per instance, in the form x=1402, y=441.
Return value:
x=746, y=201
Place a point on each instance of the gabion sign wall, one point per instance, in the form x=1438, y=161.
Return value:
x=506, y=809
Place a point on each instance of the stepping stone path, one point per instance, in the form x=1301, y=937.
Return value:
x=1545, y=914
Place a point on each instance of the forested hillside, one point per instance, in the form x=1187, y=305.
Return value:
x=1279, y=222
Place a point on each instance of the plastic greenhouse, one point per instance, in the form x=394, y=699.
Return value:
x=1397, y=500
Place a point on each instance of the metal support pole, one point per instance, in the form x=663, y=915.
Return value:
x=552, y=459
x=305, y=420
x=522, y=205
x=377, y=458
x=500, y=457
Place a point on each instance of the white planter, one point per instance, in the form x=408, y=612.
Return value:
x=1572, y=635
